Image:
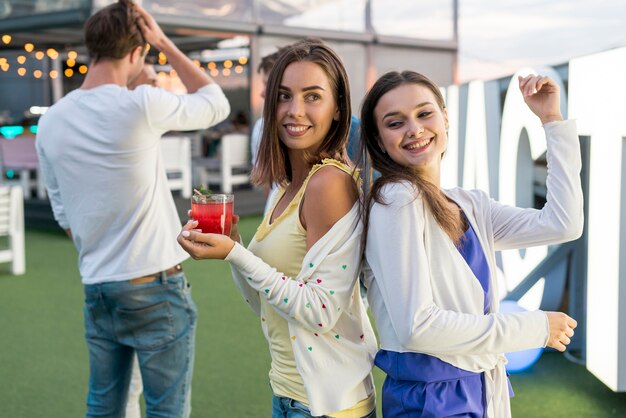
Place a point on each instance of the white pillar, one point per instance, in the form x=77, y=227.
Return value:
x=597, y=88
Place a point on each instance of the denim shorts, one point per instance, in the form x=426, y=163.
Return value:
x=290, y=408
x=157, y=320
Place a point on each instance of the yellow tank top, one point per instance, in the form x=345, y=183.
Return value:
x=282, y=244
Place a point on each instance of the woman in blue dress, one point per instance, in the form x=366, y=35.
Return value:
x=430, y=253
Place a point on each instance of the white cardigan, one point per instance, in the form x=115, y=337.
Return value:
x=425, y=297
x=331, y=335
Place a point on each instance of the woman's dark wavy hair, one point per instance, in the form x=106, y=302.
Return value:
x=390, y=170
x=272, y=164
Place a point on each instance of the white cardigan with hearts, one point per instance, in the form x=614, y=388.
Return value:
x=425, y=297
x=332, y=339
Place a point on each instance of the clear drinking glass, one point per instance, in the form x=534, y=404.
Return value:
x=214, y=212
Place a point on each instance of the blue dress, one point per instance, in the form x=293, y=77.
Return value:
x=420, y=385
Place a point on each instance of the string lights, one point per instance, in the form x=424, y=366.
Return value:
x=73, y=67
x=162, y=58
x=52, y=53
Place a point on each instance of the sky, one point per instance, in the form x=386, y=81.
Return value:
x=496, y=38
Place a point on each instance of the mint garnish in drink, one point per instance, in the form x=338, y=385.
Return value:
x=203, y=194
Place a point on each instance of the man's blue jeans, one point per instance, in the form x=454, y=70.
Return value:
x=158, y=321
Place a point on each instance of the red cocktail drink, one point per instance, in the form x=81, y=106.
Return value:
x=214, y=213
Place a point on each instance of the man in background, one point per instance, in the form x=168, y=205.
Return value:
x=147, y=76
x=264, y=69
x=99, y=148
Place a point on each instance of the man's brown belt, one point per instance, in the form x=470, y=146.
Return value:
x=152, y=277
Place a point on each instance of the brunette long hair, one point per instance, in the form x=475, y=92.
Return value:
x=390, y=170
x=272, y=164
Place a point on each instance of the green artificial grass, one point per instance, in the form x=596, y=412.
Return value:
x=555, y=387
x=44, y=366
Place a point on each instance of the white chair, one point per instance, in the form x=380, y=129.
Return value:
x=232, y=168
x=12, y=226
x=176, y=152
x=19, y=154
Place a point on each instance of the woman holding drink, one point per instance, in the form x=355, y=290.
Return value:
x=430, y=253
x=300, y=272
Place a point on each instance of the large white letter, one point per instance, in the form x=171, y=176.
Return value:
x=597, y=89
x=475, y=155
x=450, y=163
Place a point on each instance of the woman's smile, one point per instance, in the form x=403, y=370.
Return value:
x=418, y=146
x=295, y=129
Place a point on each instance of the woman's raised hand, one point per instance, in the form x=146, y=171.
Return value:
x=204, y=246
x=542, y=95
x=561, y=330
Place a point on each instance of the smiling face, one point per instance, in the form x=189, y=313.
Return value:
x=306, y=112
x=412, y=128
x=306, y=106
